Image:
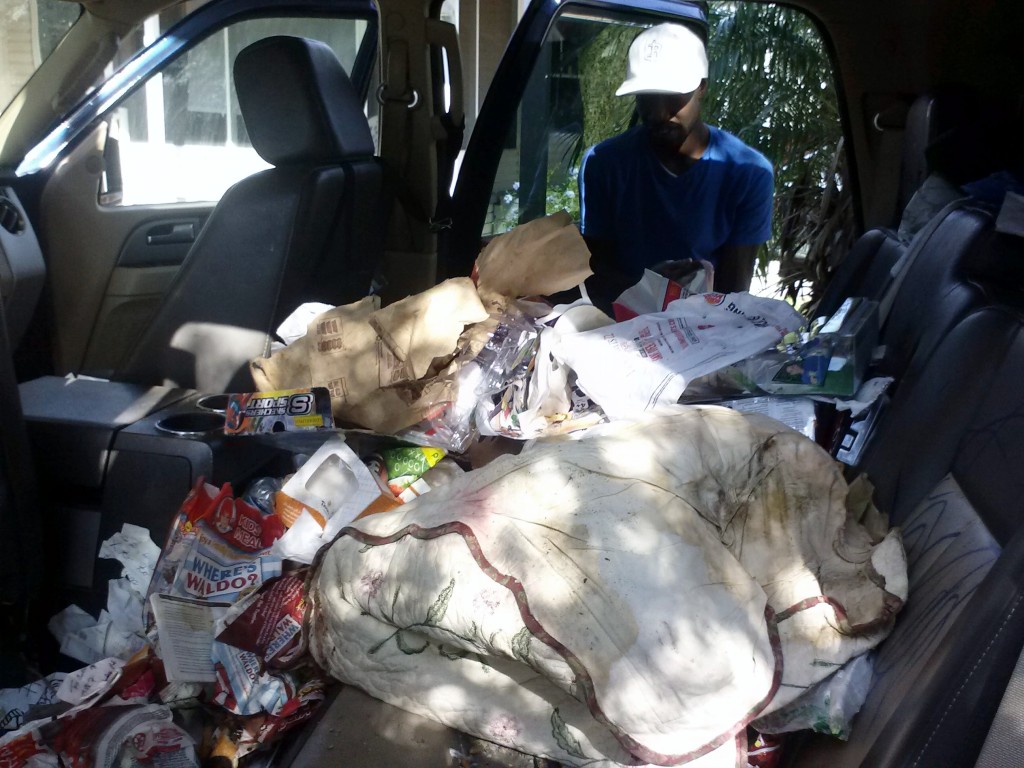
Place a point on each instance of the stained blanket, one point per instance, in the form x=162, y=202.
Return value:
x=636, y=596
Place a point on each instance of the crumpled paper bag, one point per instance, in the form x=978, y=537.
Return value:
x=420, y=328
x=345, y=355
x=538, y=258
x=286, y=368
x=377, y=363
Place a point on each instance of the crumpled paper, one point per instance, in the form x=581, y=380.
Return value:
x=426, y=326
x=389, y=368
x=538, y=258
x=15, y=703
x=79, y=689
x=119, y=630
x=379, y=363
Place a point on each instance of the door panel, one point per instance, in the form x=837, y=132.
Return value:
x=147, y=266
x=85, y=241
x=132, y=298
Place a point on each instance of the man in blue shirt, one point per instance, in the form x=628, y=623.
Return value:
x=672, y=189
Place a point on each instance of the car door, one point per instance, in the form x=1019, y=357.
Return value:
x=550, y=98
x=120, y=190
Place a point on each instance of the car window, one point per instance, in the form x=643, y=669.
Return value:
x=774, y=85
x=774, y=89
x=181, y=137
x=29, y=31
x=563, y=98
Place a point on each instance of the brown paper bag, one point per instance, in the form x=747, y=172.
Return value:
x=286, y=368
x=428, y=325
x=538, y=258
x=346, y=356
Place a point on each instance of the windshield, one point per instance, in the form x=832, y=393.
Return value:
x=29, y=31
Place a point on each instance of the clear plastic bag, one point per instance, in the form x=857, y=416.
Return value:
x=479, y=383
x=828, y=707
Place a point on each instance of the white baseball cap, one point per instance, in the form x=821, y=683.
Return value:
x=667, y=58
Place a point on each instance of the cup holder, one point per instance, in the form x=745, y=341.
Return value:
x=198, y=424
x=214, y=403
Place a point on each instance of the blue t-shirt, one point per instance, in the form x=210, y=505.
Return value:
x=630, y=198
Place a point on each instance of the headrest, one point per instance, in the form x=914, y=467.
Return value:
x=298, y=103
x=932, y=118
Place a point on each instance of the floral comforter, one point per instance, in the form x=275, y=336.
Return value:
x=637, y=596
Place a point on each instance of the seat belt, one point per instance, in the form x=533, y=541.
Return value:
x=890, y=123
x=899, y=270
x=398, y=98
x=408, y=201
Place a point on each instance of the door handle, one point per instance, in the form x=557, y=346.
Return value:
x=172, y=234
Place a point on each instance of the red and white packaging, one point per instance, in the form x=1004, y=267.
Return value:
x=218, y=547
x=27, y=751
x=764, y=750
x=654, y=292
x=269, y=623
x=120, y=735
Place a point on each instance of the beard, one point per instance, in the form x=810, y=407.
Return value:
x=666, y=136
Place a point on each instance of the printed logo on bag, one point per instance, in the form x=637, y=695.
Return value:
x=338, y=389
x=714, y=298
x=287, y=628
x=325, y=327
x=206, y=578
x=225, y=516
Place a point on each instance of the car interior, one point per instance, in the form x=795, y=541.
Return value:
x=311, y=228
x=366, y=173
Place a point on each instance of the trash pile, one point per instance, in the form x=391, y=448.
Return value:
x=508, y=506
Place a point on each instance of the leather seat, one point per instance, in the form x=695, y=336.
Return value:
x=311, y=228
x=945, y=469
x=864, y=271
x=940, y=285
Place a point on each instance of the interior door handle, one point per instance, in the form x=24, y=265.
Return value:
x=173, y=234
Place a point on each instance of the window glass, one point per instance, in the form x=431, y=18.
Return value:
x=771, y=83
x=181, y=137
x=568, y=98
x=29, y=31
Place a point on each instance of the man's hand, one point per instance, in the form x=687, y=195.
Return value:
x=735, y=268
x=679, y=270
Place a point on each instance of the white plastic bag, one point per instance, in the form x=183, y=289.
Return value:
x=654, y=292
x=635, y=366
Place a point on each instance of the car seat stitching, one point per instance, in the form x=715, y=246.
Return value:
x=967, y=679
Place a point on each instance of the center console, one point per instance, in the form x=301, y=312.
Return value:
x=110, y=453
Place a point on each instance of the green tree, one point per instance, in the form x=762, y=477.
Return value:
x=771, y=84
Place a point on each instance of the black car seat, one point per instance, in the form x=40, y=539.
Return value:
x=311, y=228
x=930, y=122
x=943, y=276
x=864, y=271
x=22, y=570
x=946, y=469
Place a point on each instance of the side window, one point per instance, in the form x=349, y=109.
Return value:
x=770, y=83
x=773, y=85
x=29, y=31
x=570, y=103
x=180, y=137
